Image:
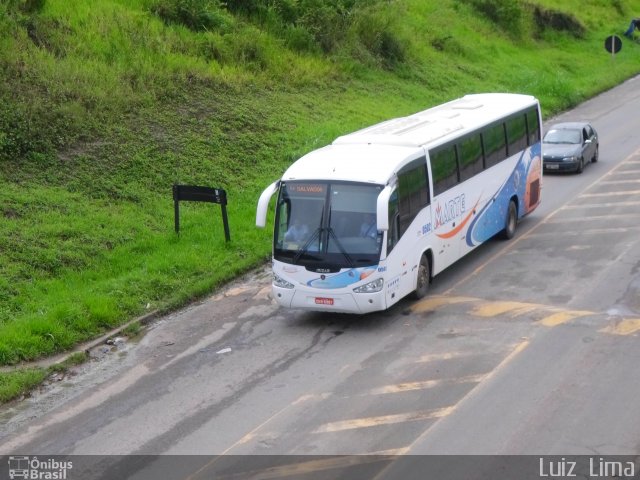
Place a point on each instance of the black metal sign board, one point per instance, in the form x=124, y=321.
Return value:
x=612, y=44
x=192, y=193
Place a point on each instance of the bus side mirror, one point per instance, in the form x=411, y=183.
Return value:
x=382, y=208
x=263, y=204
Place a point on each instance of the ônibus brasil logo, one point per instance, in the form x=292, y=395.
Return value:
x=34, y=469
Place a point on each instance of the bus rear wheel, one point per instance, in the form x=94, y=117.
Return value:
x=424, y=276
x=512, y=220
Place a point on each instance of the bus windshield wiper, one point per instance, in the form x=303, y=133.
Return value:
x=341, y=248
x=306, y=245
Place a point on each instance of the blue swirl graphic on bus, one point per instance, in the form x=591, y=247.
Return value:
x=492, y=217
x=343, y=279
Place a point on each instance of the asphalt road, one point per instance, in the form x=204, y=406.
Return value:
x=526, y=347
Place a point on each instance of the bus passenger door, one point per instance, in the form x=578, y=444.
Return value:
x=393, y=271
x=448, y=231
x=402, y=244
x=412, y=223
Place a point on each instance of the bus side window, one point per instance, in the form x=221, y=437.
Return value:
x=413, y=192
x=471, y=158
x=533, y=126
x=282, y=217
x=516, y=134
x=393, y=235
x=444, y=168
x=495, y=145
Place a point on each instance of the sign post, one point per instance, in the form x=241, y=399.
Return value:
x=200, y=194
x=612, y=44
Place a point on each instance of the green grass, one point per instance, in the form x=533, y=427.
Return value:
x=19, y=382
x=104, y=105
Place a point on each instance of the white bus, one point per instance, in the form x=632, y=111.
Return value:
x=373, y=217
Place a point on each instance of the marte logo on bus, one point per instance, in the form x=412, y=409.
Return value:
x=452, y=209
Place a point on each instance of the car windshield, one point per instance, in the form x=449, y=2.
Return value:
x=563, y=135
x=320, y=223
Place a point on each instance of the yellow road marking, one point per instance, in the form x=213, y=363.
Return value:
x=618, y=182
x=431, y=303
x=311, y=396
x=367, y=422
x=583, y=232
x=624, y=327
x=628, y=170
x=559, y=318
x=574, y=248
x=423, y=385
x=492, y=309
x=319, y=465
x=514, y=353
x=610, y=194
x=600, y=205
x=517, y=349
x=435, y=357
x=253, y=433
x=590, y=218
x=390, y=453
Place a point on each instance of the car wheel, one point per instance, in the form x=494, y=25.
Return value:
x=424, y=275
x=580, y=165
x=595, y=155
x=511, y=221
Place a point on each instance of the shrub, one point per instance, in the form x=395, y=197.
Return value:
x=26, y=7
x=299, y=39
x=507, y=14
x=197, y=15
x=14, y=13
x=35, y=127
x=325, y=22
x=559, y=21
x=251, y=48
x=246, y=6
x=376, y=31
x=618, y=7
x=19, y=137
x=32, y=6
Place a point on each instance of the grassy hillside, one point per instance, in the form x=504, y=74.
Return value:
x=105, y=104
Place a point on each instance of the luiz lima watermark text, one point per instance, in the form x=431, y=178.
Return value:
x=592, y=467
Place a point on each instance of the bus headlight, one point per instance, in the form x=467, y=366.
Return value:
x=370, y=287
x=281, y=282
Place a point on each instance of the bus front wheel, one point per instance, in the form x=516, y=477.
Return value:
x=424, y=275
x=512, y=220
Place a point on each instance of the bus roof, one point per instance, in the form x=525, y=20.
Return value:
x=375, y=153
x=360, y=162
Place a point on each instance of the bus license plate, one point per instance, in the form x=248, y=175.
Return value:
x=324, y=301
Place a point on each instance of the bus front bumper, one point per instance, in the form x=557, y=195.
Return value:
x=345, y=302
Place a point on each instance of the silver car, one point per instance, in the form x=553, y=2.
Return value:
x=568, y=146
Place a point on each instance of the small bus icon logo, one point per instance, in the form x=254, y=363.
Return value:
x=18, y=467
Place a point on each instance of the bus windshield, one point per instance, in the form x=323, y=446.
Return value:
x=328, y=226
